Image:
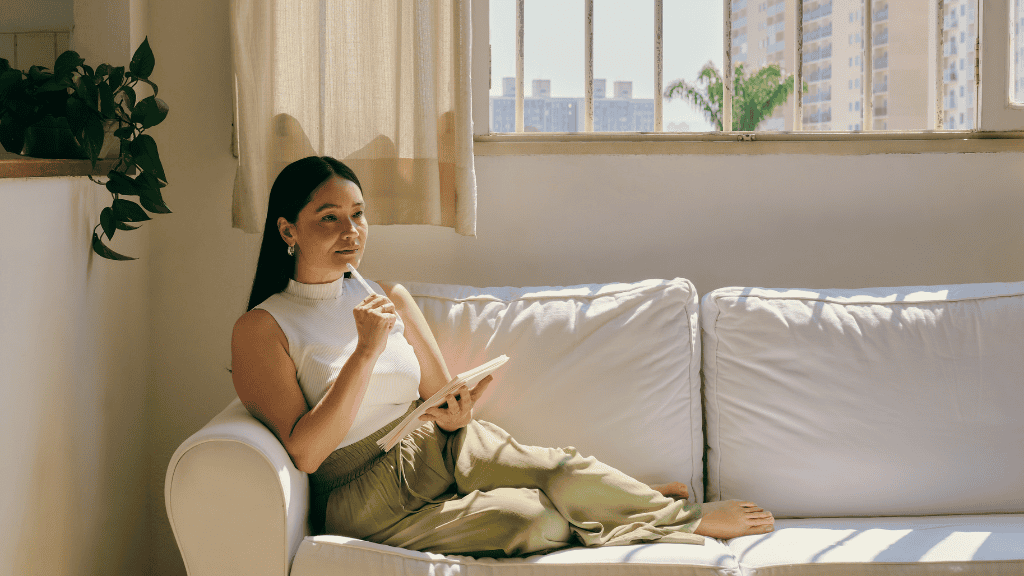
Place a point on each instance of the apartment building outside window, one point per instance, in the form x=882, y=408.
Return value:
x=916, y=51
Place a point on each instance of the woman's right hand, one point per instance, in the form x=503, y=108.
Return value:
x=375, y=317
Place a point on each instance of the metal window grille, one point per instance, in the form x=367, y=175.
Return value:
x=869, y=62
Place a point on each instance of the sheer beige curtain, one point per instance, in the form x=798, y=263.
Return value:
x=382, y=85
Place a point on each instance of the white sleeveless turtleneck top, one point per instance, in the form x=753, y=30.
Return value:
x=321, y=330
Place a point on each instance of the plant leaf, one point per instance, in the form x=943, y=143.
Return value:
x=116, y=78
x=148, y=181
x=8, y=79
x=128, y=211
x=52, y=85
x=143, y=62
x=149, y=112
x=144, y=153
x=122, y=226
x=66, y=64
x=99, y=248
x=153, y=201
x=124, y=132
x=37, y=76
x=121, y=184
x=12, y=133
x=107, y=222
x=106, y=100
x=77, y=113
x=103, y=70
x=129, y=93
x=87, y=91
x=93, y=138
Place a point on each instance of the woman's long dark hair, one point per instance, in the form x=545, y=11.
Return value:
x=292, y=190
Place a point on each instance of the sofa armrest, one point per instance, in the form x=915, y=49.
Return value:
x=236, y=502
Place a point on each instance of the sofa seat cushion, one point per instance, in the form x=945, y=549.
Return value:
x=910, y=546
x=610, y=369
x=333, y=555
x=902, y=401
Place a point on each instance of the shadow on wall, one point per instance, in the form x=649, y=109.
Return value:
x=290, y=143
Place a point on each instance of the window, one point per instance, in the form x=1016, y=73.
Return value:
x=625, y=94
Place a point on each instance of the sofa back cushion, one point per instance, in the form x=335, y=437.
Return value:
x=881, y=401
x=613, y=370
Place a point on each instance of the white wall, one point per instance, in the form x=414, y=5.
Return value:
x=74, y=353
x=73, y=364
x=801, y=221
x=780, y=221
x=32, y=15
x=199, y=263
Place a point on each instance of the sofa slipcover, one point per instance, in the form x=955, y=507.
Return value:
x=885, y=423
x=866, y=402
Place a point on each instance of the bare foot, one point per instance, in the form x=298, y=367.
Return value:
x=734, y=518
x=673, y=490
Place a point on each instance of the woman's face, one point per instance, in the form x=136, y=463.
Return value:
x=329, y=232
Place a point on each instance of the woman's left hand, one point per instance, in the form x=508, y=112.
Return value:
x=459, y=409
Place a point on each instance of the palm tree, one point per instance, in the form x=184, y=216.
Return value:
x=754, y=98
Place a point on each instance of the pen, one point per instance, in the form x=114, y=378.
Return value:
x=356, y=275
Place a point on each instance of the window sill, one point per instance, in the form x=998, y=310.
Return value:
x=838, y=144
x=17, y=166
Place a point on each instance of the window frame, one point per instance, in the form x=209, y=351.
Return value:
x=1000, y=122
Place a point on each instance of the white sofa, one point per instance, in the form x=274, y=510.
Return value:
x=883, y=427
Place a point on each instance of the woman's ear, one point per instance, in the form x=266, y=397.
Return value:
x=286, y=229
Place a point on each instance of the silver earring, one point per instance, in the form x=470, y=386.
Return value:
x=291, y=250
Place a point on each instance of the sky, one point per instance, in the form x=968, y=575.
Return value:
x=623, y=46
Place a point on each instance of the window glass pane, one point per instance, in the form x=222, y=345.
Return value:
x=762, y=44
x=959, y=38
x=1017, y=47
x=691, y=39
x=624, y=66
x=503, y=66
x=553, y=66
x=907, y=62
x=833, y=49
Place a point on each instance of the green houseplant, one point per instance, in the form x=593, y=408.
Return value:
x=68, y=112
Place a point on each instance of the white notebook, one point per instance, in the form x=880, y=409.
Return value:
x=469, y=379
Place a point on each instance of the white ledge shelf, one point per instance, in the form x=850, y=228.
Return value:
x=17, y=166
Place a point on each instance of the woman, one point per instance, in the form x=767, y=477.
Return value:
x=330, y=369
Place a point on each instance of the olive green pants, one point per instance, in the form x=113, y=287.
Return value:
x=479, y=492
